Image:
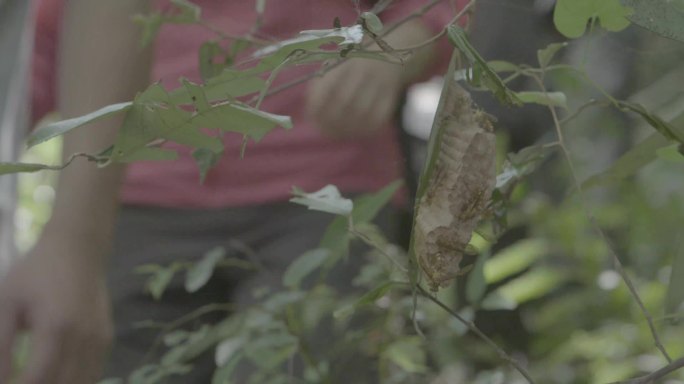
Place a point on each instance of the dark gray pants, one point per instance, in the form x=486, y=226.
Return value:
x=276, y=233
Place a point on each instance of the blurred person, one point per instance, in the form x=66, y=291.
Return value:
x=15, y=49
x=157, y=213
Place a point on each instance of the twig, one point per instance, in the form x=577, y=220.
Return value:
x=597, y=228
x=473, y=328
x=659, y=374
x=199, y=312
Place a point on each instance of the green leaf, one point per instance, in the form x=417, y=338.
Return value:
x=59, y=128
x=660, y=125
x=372, y=22
x=303, y=266
x=327, y=199
x=665, y=18
x=227, y=349
x=572, y=16
x=271, y=350
x=199, y=98
x=149, y=154
x=514, y=259
x=546, y=55
x=229, y=84
x=408, y=353
x=176, y=337
x=367, y=207
x=481, y=69
x=476, y=284
x=160, y=280
x=532, y=285
x=554, y=99
x=369, y=297
x=208, y=53
x=242, y=119
x=639, y=156
x=496, y=302
x=201, y=272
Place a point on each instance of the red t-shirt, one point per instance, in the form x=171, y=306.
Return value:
x=299, y=157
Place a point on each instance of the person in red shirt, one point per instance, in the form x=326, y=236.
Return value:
x=158, y=212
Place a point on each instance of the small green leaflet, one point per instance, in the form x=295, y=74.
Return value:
x=160, y=277
x=59, y=128
x=571, y=17
x=200, y=273
x=663, y=17
x=481, y=72
x=546, y=55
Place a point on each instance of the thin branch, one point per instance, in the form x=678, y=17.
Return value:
x=659, y=374
x=473, y=328
x=597, y=228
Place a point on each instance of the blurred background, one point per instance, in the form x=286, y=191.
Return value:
x=552, y=294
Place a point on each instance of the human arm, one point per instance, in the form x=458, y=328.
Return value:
x=360, y=97
x=57, y=291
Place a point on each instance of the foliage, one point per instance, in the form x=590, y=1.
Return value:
x=562, y=283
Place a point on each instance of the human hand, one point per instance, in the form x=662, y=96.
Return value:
x=63, y=303
x=357, y=99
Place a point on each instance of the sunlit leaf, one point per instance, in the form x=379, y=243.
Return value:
x=571, y=17
x=532, y=285
x=514, y=259
x=200, y=273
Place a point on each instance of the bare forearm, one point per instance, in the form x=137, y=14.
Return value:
x=410, y=34
x=100, y=64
